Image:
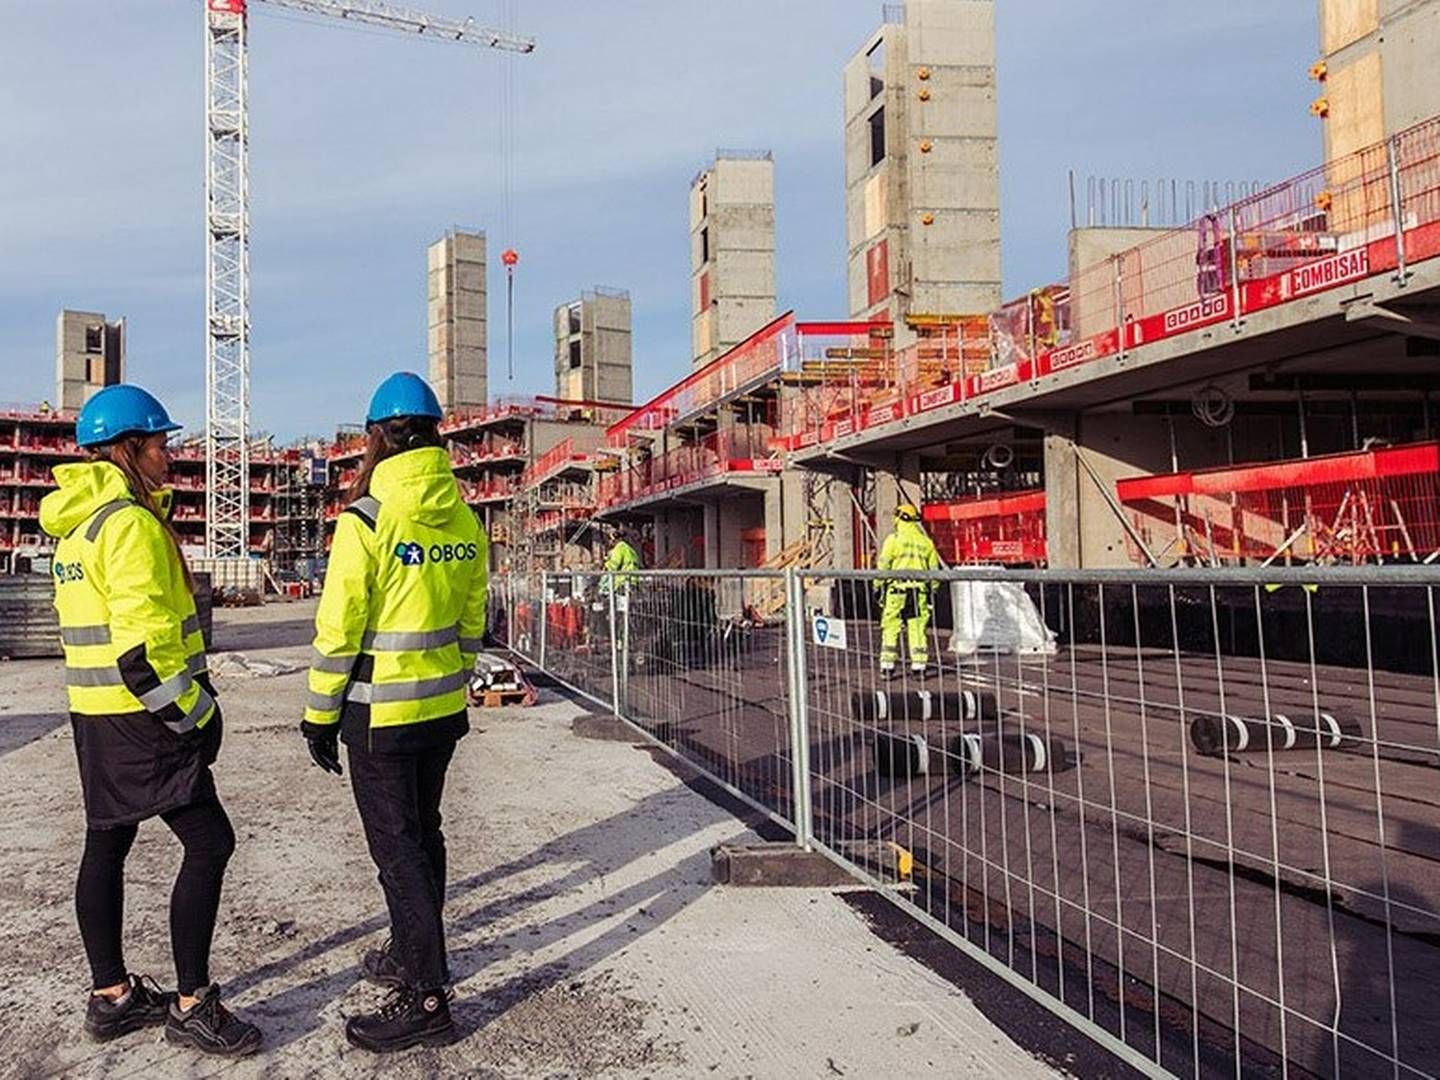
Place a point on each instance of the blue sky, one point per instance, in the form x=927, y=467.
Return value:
x=365, y=147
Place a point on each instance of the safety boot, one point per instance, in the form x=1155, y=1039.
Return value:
x=382, y=967
x=143, y=1005
x=408, y=1018
x=210, y=1027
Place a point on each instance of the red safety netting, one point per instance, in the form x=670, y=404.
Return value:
x=1341, y=508
x=1008, y=529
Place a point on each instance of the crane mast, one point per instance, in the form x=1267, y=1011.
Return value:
x=227, y=237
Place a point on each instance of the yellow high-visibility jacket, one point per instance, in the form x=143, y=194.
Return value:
x=402, y=613
x=622, y=561
x=127, y=618
x=909, y=547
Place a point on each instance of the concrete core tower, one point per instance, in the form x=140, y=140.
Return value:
x=922, y=171
x=592, y=347
x=89, y=355
x=457, y=317
x=732, y=251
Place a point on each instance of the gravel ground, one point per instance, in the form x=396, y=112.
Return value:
x=585, y=936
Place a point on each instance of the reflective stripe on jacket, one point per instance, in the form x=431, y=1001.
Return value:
x=908, y=548
x=127, y=618
x=402, y=613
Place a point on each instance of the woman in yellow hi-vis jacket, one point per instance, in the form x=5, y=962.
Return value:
x=147, y=728
x=399, y=624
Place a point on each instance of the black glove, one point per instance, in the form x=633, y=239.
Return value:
x=325, y=750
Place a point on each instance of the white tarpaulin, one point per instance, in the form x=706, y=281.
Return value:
x=997, y=616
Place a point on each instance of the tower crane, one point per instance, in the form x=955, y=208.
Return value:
x=227, y=235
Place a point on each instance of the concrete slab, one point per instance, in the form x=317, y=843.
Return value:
x=585, y=934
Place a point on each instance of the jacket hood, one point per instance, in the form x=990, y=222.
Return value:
x=84, y=488
x=418, y=484
x=912, y=527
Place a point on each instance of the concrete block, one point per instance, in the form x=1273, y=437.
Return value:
x=603, y=728
x=774, y=865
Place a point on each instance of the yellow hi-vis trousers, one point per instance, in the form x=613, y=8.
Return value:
x=917, y=626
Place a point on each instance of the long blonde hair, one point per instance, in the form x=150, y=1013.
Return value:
x=124, y=454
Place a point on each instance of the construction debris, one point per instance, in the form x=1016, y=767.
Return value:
x=498, y=681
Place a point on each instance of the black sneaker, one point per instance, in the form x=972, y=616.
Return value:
x=408, y=1018
x=146, y=1005
x=382, y=967
x=210, y=1027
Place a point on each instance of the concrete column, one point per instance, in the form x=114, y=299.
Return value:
x=785, y=517
x=842, y=517
x=1082, y=527
x=712, y=535
x=899, y=484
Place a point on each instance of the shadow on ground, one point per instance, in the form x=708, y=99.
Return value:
x=590, y=854
x=18, y=731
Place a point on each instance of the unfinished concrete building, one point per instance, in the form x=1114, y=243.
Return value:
x=457, y=319
x=1377, y=70
x=922, y=172
x=593, y=360
x=732, y=251
x=89, y=355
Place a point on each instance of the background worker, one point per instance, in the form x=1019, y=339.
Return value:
x=621, y=561
x=906, y=601
x=146, y=725
x=399, y=624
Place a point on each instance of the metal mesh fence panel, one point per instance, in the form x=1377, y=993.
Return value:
x=1194, y=813
x=701, y=667
x=1201, y=817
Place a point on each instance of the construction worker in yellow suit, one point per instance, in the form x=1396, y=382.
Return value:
x=904, y=601
x=620, y=564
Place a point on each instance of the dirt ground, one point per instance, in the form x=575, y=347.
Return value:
x=585, y=936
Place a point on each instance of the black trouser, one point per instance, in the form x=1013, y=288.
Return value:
x=398, y=796
x=208, y=839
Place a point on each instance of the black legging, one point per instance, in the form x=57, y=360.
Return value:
x=208, y=839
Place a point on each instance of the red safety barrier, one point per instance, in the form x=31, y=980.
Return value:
x=1008, y=529
x=1347, y=508
x=1329, y=227
x=555, y=460
x=717, y=454
x=758, y=356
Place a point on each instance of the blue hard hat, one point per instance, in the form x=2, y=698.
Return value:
x=403, y=394
x=119, y=410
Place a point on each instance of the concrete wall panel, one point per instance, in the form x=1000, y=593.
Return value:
x=963, y=105
x=1357, y=107
x=1411, y=72
x=951, y=32
x=745, y=273
x=1343, y=22
x=737, y=182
